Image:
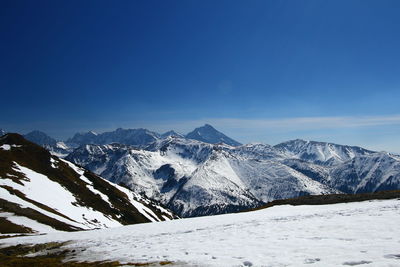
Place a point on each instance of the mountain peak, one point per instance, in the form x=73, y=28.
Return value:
x=209, y=134
x=40, y=138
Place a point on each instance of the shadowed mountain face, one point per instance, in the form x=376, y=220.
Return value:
x=141, y=137
x=209, y=134
x=135, y=137
x=48, y=194
x=40, y=138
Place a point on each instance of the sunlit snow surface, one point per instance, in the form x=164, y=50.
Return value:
x=362, y=233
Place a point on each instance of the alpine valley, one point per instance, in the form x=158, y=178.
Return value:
x=205, y=172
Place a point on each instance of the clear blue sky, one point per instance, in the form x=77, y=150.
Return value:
x=264, y=71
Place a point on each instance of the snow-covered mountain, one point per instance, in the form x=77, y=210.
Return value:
x=40, y=192
x=368, y=173
x=196, y=178
x=216, y=175
x=209, y=134
x=2, y=132
x=320, y=152
x=347, y=168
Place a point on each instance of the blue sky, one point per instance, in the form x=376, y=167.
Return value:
x=262, y=71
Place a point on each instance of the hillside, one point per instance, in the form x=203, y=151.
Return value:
x=40, y=192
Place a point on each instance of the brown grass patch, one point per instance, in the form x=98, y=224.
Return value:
x=55, y=256
x=332, y=199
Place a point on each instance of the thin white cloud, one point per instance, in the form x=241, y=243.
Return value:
x=302, y=123
x=275, y=124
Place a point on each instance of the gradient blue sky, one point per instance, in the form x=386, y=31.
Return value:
x=264, y=71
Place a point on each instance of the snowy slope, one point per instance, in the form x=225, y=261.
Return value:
x=360, y=233
x=58, y=195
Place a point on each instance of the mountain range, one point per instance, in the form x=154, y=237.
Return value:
x=205, y=172
x=134, y=137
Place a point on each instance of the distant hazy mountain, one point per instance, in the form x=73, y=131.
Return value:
x=57, y=148
x=209, y=134
x=40, y=192
x=136, y=137
x=40, y=138
x=82, y=139
x=2, y=132
x=142, y=137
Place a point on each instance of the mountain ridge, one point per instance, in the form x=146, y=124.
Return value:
x=74, y=198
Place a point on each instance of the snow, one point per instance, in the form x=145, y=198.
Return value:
x=327, y=235
x=8, y=147
x=61, y=145
x=148, y=213
x=24, y=221
x=45, y=191
x=52, y=163
x=5, y=147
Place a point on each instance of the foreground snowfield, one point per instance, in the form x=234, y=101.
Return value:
x=361, y=233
